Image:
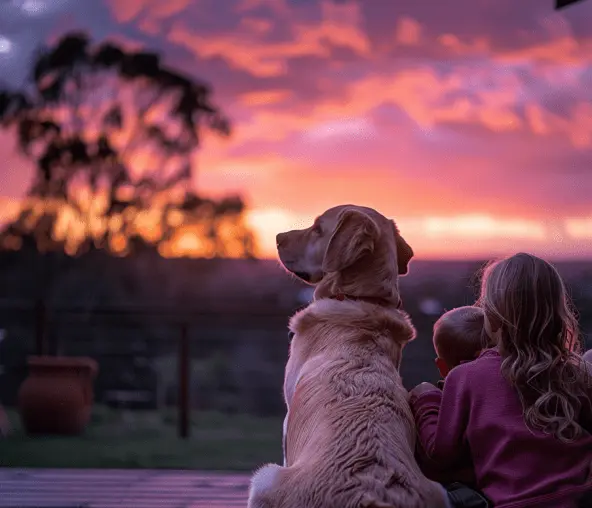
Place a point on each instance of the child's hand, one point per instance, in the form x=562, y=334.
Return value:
x=422, y=388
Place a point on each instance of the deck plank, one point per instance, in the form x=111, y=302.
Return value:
x=92, y=488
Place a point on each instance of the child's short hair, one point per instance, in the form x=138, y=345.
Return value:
x=588, y=355
x=458, y=335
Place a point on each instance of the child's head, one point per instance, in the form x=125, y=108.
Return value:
x=587, y=356
x=458, y=337
x=528, y=314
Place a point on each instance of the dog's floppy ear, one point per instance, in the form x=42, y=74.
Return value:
x=404, y=252
x=353, y=237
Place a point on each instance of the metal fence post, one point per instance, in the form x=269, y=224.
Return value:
x=184, y=362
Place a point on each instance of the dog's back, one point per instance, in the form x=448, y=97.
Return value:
x=350, y=433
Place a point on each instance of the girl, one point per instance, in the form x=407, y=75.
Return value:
x=521, y=413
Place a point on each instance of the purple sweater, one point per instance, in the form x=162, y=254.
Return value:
x=478, y=417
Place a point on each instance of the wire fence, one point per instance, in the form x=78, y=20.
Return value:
x=196, y=387
x=216, y=356
x=210, y=357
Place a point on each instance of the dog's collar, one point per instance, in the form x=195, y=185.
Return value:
x=370, y=299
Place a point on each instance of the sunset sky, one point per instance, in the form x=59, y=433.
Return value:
x=468, y=121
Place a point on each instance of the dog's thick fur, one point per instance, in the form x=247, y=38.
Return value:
x=349, y=435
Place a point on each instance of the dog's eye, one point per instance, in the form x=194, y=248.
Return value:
x=290, y=335
x=317, y=229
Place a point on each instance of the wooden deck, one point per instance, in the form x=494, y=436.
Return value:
x=105, y=488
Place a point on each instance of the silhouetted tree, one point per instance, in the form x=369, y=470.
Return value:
x=112, y=134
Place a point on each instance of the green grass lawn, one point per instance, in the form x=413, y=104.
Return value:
x=148, y=439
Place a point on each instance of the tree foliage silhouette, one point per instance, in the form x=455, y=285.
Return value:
x=113, y=134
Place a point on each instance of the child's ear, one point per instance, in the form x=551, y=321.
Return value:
x=442, y=367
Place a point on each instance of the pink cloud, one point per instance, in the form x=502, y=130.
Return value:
x=264, y=97
x=408, y=31
x=125, y=12
x=243, y=48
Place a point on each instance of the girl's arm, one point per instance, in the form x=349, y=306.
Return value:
x=441, y=418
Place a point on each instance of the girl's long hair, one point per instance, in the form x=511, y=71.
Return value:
x=525, y=302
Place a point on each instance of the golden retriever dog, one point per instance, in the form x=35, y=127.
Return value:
x=349, y=435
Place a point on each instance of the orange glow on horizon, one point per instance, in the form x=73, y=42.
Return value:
x=460, y=236
x=447, y=237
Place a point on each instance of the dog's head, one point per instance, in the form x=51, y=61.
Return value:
x=347, y=244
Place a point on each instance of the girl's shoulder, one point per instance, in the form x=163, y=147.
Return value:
x=486, y=357
x=489, y=354
x=487, y=363
x=485, y=370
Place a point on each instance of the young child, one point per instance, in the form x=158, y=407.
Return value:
x=458, y=337
x=521, y=413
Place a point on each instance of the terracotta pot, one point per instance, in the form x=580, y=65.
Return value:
x=57, y=395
